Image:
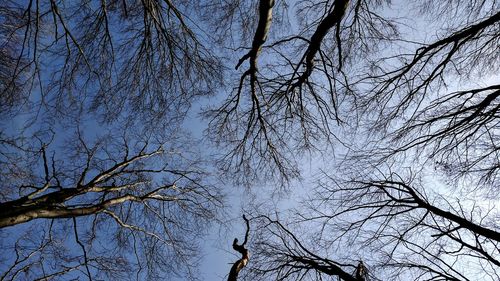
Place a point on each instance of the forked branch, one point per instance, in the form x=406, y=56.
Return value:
x=239, y=264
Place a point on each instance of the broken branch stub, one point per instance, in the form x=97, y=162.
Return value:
x=239, y=264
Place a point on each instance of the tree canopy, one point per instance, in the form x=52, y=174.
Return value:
x=393, y=106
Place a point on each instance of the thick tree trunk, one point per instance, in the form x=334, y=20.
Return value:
x=245, y=255
x=332, y=19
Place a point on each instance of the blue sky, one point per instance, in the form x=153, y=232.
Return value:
x=96, y=120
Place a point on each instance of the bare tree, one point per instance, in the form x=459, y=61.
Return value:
x=245, y=255
x=99, y=179
x=282, y=255
x=290, y=103
x=402, y=228
x=423, y=121
x=441, y=99
x=343, y=64
x=120, y=57
x=415, y=229
x=309, y=76
x=114, y=208
x=11, y=85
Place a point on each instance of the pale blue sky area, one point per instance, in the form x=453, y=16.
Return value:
x=217, y=254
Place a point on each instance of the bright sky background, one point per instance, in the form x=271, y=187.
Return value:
x=217, y=251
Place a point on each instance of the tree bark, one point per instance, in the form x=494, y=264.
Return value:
x=245, y=255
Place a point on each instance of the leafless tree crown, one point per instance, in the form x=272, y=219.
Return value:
x=395, y=103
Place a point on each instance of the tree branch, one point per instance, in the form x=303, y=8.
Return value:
x=239, y=264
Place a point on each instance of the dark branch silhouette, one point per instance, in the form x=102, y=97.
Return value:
x=245, y=255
